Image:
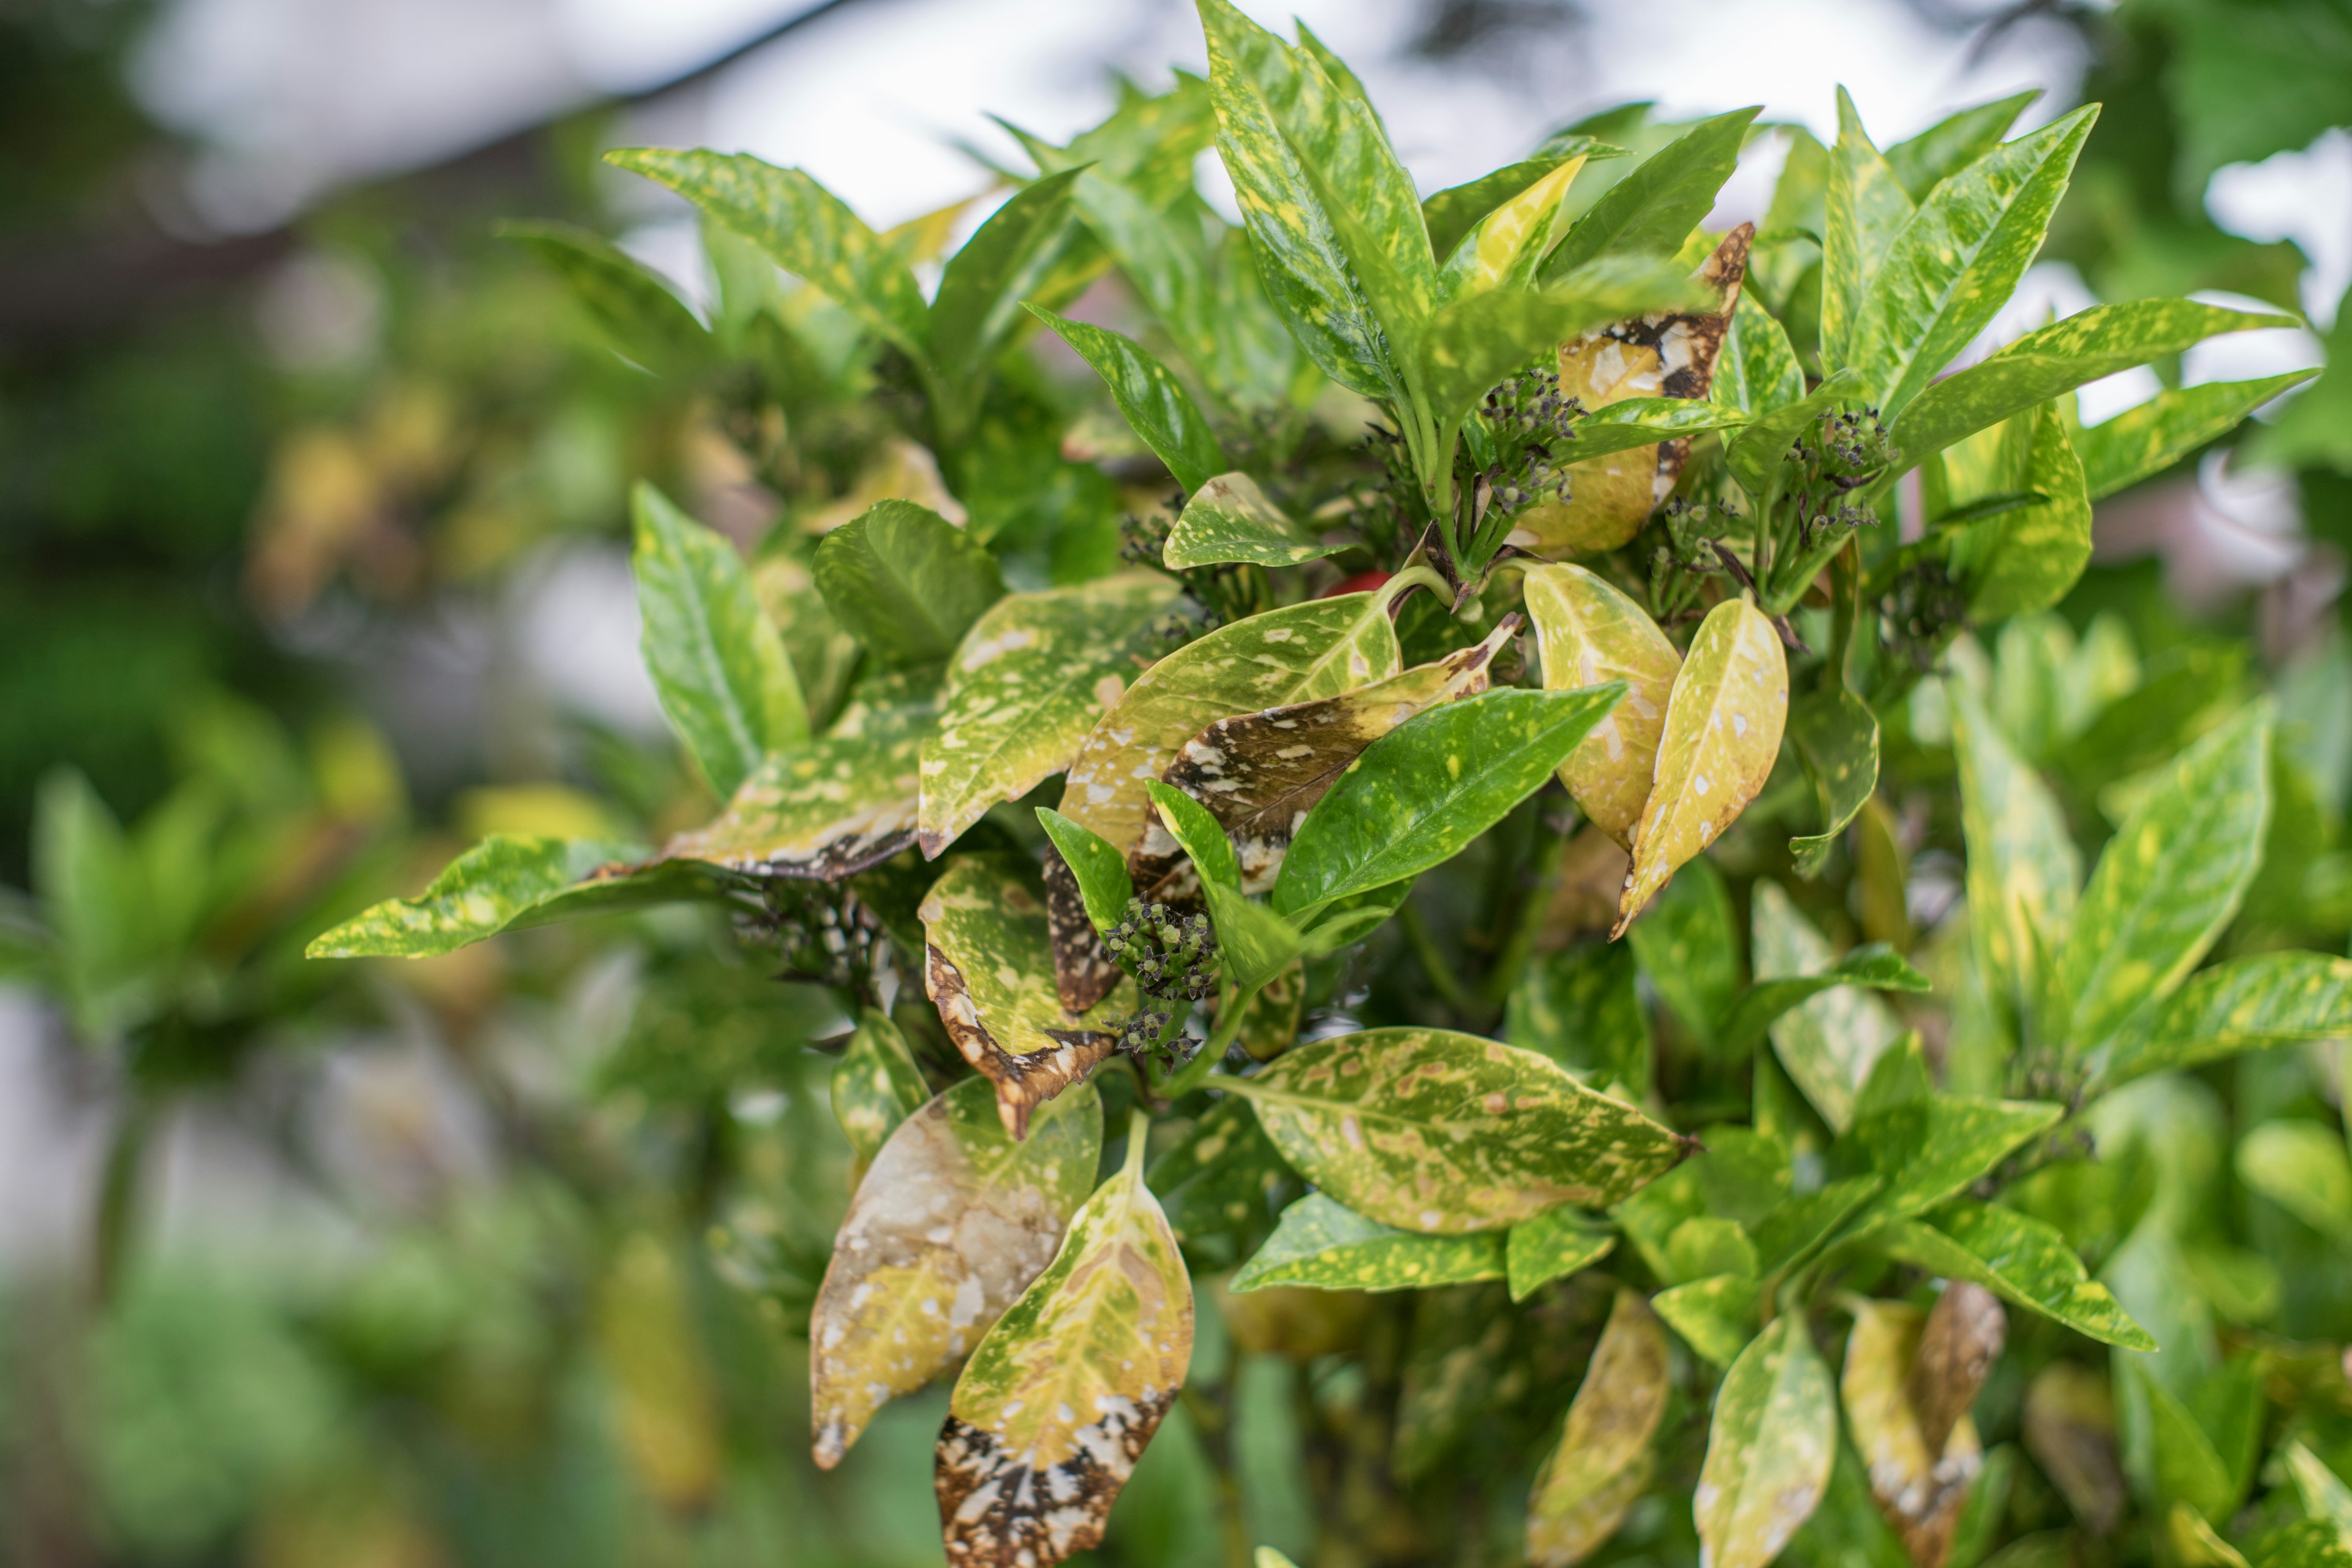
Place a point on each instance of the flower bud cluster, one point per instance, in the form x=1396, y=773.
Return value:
x=1173, y=958
x=1530, y=406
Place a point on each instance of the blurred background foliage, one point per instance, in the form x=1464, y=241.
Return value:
x=293, y=609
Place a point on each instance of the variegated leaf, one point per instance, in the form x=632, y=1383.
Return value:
x=1552, y=1246
x=1830, y=1043
x=1229, y=519
x=1669, y=354
x=1756, y=370
x=2021, y=1259
x=989, y=970
x=1029, y=680
x=2142, y=442
x=1603, y=1460
x=1589, y=633
x=951, y=1223
x=1430, y=1131
x=877, y=1085
x=1715, y=1314
x=1768, y=1451
x=1503, y=249
x=1058, y=1403
x=1724, y=719
x=2023, y=869
x=1315, y=649
x=1918, y=1483
x=1326, y=1245
x=1867, y=207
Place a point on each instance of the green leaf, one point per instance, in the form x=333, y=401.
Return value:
x=905, y=582
x=2169, y=879
x=1259, y=774
x=1442, y=1133
x=2023, y=869
x=1451, y=213
x=2187, y=1469
x=1756, y=370
x=1030, y=679
x=510, y=883
x=1424, y=790
x=645, y=322
x=2142, y=442
x=1589, y=633
x=1652, y=209
x=1582, y=1009
x=1716, y=1316
x=1753, y=454
x=1689, y=950
x=1930, y=1148
x=876, y=1085
x=1228, y=519
x=1768, y=1449
x=715, y=661
x=803, y=226
x=2302, y=1167
x=1224, y=1182
x=1552, y=1246
x=1473, y=343
x=1155, y=403
x=951, y=1223
x=1326, y=1245
x=1836, y=737
x=989, y=970
x=1101, y=870
x=2057, y=359
x=1958, y=260
x=1254, y=945
x=1724, y=719
x=840, y=805
x=1875, y=965
x=982, y=291
x=1645, y=421
x=2325, y=1499
x=1057, y=1404
x=1603, y=1460
x=1800, y=1223
x=1829, y=1043
x=2024, y=559
x=1866, y=208
x=1504, y=247
x=2020, y=1259
x=101, y=905
x=2246, y=1004
x=1952, y=144
x=1279, y=117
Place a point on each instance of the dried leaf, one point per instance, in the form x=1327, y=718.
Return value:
x=949, y=1225
x=989, y=970
x=1724, y=720
x=2070, y=1429
x=1589, y=633
x=1963, y=1338
x=1919, y=1486
x=1059, y=1400
x=1667, y=353
x=1603, y=1460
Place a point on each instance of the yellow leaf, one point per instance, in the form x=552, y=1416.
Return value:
x=1603, y=1460
x=1589, y=633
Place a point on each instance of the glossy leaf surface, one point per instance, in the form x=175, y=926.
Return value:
x=1229, y=518
x=1827, y=1042
x=508, y=882
x=1155, y=402
x=2246, y=1003
x=1552, y=1246
x=1326, y=1245
x=905, y=582
x=2019, y=1258
x=876, y=1085
x=2142, y=442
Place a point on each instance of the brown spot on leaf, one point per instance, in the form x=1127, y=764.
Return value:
x=1024, y=1082
x=1956, y=1352
x=1083, y=971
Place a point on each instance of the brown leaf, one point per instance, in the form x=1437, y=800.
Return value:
x=1956, y=1352
x=1023, y=1081
x=1603, y=1461
x=2070, y=1430
x=1919, y=1487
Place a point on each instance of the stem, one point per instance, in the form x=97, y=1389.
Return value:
x=1139, y=1130
x=1442, y=978
x=1194, y=1073
x=117, y=1194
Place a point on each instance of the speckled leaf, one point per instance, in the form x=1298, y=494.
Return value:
x=1790, y=1231
x=905, y=582
x=508, y=882
x=1229, y=518
x=1475, y=341
x=1552, y=1246
x=1654, y=207
x=950, y=1224
x=645, y=322
x=1224, y=1178
x=1768, y=1451
x=1919, y=1484
x=2024, y=558
x=716, y=663
x=2325, y=1495
x=1930, y=1148
x=1836, y=737
x=835, y=807
x=1724, y=718
x=1953, y=143
x=1688, y=946
x=2019, y=1258
x=1873, y=964
x=1603, y=1458
x=1058, y=1403
x=2239, y=1004
x=2142, y=442
x=825, y=658
x=1318, y=648
x=1028, y=681
x=2023, y=869
x=1958, y=260
x=803, y=226
x=1326, y=1245
x=1504, y=247
x=1716, y=1316
x=1155, y=403
x=1866, y=208
x=989, y=970
x=1259, y=774
x=1753, y=456
x=1662, y=353
x=1451, y=213
x=1424, y=791
x=2171, y=878
x=1100, y=871
x=876, y=1085
x=1431, y=1131
x=1829, y=1043
x=2057, y=358
x=1011, y=257
x=1582, y=1007
x=1757, y=370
